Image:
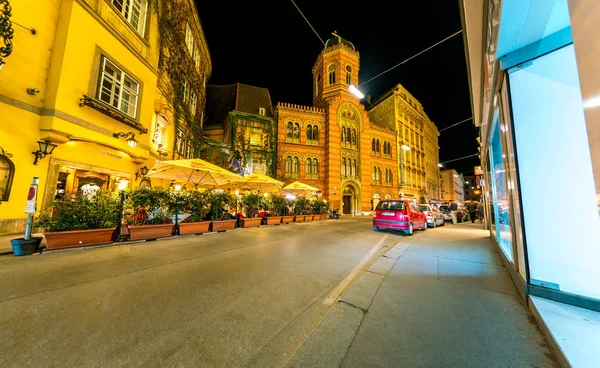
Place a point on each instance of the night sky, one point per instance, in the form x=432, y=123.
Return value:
x=268, y=44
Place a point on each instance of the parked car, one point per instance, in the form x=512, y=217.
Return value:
x=445, y=210
x=398, y=214
x=433, y=215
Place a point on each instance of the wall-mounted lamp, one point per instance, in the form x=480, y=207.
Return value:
x=4, y=153
x=143, y=172
x=130, y=136
x=33, y=91
x=405, y=147
x=45, y=149
x=161, y=151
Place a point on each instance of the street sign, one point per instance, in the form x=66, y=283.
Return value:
x=478, y=170
x=30, y=206
x=478, y=181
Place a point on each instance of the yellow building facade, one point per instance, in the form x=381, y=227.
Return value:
x=416, y=143
x=91, y=70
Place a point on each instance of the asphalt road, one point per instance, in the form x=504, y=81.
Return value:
x=243, y=298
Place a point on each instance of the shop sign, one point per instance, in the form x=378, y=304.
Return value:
x=111, y=154
x=478, y=170
x=30, y=206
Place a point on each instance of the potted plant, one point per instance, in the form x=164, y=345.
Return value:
x=252, y=203
x=81, y=219
x=219, y=212
x=301, y=205
x=277, y=208
x=316, y=209
x=195, y=204
x=288, y=216
x=149, y=213
x=324, y=210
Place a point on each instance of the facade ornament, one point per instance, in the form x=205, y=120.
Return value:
x=6, y=30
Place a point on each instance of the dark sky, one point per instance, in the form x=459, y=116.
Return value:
x=269, y=44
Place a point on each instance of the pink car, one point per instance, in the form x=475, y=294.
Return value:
x=398, y=214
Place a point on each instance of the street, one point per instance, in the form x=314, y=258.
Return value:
x=264, y=297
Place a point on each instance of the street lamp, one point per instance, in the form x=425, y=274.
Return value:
x=143, y=172
x=177, y=189
x=45, y=148
x=440, y=165
x=405, y=147
x=130, y=136
x=122, y=186
x=356, y=92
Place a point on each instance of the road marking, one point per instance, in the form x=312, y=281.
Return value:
x=337, y=291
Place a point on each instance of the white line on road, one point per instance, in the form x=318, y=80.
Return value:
x=337, y=291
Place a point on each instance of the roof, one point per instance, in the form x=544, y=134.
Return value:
x=223, y=99
x=336, y=40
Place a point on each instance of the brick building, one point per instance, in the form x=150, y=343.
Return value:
x=333, y=144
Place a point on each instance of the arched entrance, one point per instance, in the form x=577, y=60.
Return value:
x=350, y=199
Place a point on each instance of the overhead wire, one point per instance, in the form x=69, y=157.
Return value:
x=410, y=58
x=460, y=158
x=311, y=27
x=453, y=125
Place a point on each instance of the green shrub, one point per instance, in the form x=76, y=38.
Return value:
x=154, y=203
x=301, y=206
x=78, y=211
x=196, y=203
x=220, y=203
x=277, y=205
x=253, y=202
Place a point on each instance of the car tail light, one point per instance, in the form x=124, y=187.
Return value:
x=428, y=213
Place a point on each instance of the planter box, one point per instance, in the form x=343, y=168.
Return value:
x=299, y=218
x=325, y=216
x=287, y=219
x=223, y=225
x=316, y=217
x=188, y=228
x=78, y=238
x=250, y=222
x=149, y=232
x=308, y=217
x=273, y=220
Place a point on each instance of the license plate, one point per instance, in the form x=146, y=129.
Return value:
x=389, y=214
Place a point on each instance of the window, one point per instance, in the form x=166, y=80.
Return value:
x=343, y=166
x=378, y=146
x=373, y=145
x=309, y=132
x=296, y=166
x=192, y=102
x=353, y=137
x=288, y=165
x=343, y=135
x=134, y=11
x=312, y=168
x=315, y=133
x=296, y=131
x=315, y=166
x=308, y=167
x=261, y=111
x=118, y=89
x=395, y=205
x=183, y=145
x=348, y=74
x=290, y=131
x=197, y=58
x=332, y=74
x=189, y=39
x=7, y=172
x=354, y=167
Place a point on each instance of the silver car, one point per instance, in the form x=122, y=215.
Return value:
x=433, y=214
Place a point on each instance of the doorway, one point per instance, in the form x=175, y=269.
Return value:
x=347, y=205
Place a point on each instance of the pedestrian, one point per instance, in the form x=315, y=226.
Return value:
x=453, y=209
x=480, y=212
x=472, y=208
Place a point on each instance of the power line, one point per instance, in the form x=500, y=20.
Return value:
x=412, y=57
x=308, y=22
x=460, y=158
x=453, y=125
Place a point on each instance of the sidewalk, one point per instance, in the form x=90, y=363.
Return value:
x=442, y=299
x=5, y=247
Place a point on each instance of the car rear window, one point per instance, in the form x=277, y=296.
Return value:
x=424, y=207
x=398, y=206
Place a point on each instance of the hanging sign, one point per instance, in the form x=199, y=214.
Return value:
x=478, y=170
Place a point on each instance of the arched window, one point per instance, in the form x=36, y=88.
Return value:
x=308, y=167
x=378, y=146
x=296, y=131
x=332, y=77
x=349, y=167
x=373, y=145
x=288, y=165
x=348, y=74
x=354, y=166
x=343, y=135
x=353, y=136
x=374, y=173
x=315, y=166
x=296, y=165
x=7, y=172
x=315, y=133
x=290, y=130
x=378, y=173
x=343, y=166
x=309, y=132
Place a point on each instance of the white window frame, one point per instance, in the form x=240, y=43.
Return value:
x=189, y=39
x=193, y=102
x=117, y=83
x=261, y=111
x=126, y=6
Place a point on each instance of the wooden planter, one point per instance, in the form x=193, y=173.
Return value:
x=149, y=232
x=316, y=217
x=188, y=228
x=299, y=218
x=325, y=216
x=308, y=217
x=223, y=225
x=287, y=219
x=78, y=238
x=250, y=222
x=273, y=220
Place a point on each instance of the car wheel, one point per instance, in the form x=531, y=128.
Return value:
x=424, y=226
x=410, y=230
x=443, y=222
x=376, y=228
x=434, y=223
